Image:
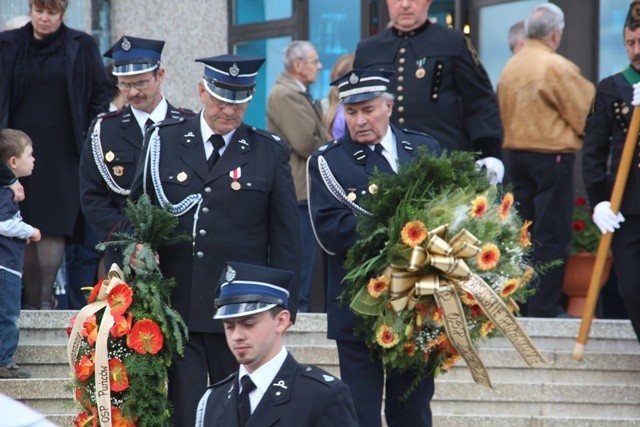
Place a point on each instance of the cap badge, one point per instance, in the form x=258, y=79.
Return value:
x=354, y=79
x=234, y=70
x=126, y=44
x=231, y=274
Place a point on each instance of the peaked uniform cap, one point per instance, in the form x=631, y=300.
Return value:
x=362, y=85
x=231, y=78
x=245, y=289
x=134, y=55
x=633, y=16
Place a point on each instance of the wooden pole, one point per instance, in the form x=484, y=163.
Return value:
x=605, y=240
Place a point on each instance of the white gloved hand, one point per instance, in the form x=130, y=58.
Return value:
x=495, y=168
x=605, y=219
x=636, y=95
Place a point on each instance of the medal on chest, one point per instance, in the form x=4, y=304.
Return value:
x=421, y=72
x=235, y=175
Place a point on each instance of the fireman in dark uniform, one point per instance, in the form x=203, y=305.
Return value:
x=230, y=186
x=110, y=156
x=605, y=135
x=440, y=85
x=339, y=175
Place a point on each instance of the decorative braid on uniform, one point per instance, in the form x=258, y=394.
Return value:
x=336, y=190
x=153, y=156
x=98, y=158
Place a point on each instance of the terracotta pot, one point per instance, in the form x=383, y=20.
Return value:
x=577, y=278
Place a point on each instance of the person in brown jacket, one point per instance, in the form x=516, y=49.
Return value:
x=292, y=114
x=544, y=101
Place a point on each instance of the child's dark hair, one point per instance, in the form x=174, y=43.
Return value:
x=12, y=143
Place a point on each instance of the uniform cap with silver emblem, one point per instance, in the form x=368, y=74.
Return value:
x=134, y=55
x=362, y=85
x=245, y=289
x=231, y=78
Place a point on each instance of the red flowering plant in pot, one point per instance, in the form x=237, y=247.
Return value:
x=122, y=342
x=586, y=235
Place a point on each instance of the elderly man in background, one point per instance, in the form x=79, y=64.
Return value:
x=544, y=101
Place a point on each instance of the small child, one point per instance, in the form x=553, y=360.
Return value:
x=16, y=152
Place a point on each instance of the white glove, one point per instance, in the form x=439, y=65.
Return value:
x=495, y=168
x=636, y=95
x=605, y=219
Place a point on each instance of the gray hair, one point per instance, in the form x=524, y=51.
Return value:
x=543, y=20
x=298, y=49
x=516, y=33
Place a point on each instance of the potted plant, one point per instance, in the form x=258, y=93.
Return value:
x=585, y=239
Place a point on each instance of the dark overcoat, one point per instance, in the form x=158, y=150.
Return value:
x=247, y=210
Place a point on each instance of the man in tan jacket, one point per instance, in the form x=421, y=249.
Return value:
x=292, y=114
x=544, y=101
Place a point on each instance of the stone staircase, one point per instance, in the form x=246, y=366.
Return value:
x=601, y=391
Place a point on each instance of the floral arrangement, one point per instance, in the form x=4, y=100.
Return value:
x=442, y=252
x=122, y=342
x=586, y=235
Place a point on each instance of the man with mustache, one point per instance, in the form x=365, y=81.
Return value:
x=606, y=131
x=110, y=156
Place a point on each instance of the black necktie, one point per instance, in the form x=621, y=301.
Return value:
x=218, y=142
x=148, y=124
x=378, y=149
x=244, y=406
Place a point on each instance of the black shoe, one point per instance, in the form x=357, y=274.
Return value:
x=12, y=371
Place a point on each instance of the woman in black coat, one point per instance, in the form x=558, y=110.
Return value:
x=52, y=84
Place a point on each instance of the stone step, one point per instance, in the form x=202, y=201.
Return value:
x=466, y=420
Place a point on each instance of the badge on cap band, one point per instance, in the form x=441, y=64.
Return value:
x=234, y=70
x=230, y=274
x=354, y=79
x=126, y=44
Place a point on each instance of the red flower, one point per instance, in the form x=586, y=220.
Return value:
x=121, y=326
x=476, y=311
x=410, y=348
x=120, y=298
x=84, y=367
x=119, y=420
x=421, y=308
x=145, y=337
x=581, y=201
x=578, y=225
x=90, y=330
x=86, y=420
x=118, y=379
x=94, y=292
x=70, y=328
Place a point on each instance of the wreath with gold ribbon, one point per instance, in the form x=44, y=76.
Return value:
x=442, y=263
x=122, y=342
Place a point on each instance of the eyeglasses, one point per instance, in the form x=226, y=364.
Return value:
x=136, y=85
x=222, y=105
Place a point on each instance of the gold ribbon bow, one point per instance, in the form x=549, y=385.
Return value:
x=451, y=276
x=101, y=363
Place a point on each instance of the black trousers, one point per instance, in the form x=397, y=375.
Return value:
x=625, y=247
x=543, y=191
x=207, y=359
x=366, y=379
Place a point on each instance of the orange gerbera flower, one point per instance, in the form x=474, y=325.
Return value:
x=509, y=287
x=449, y=362
x=478, y=207
x=435, y=314
x=84, y=367
x=524, y=234
x=505, y=205
x=467, y=298
x=528, y=274
x=90, y=330
x=488, y=257
x=377, y=286
x=86, y=420
x=476, y=310
x=119, y=420
x=410, y=348
x=413, y=233
x=121, y=325
x=120, y=298
x=485, y=328
x=94, y=292
x=385, y=337
x=145, y=337
x=118, y=379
